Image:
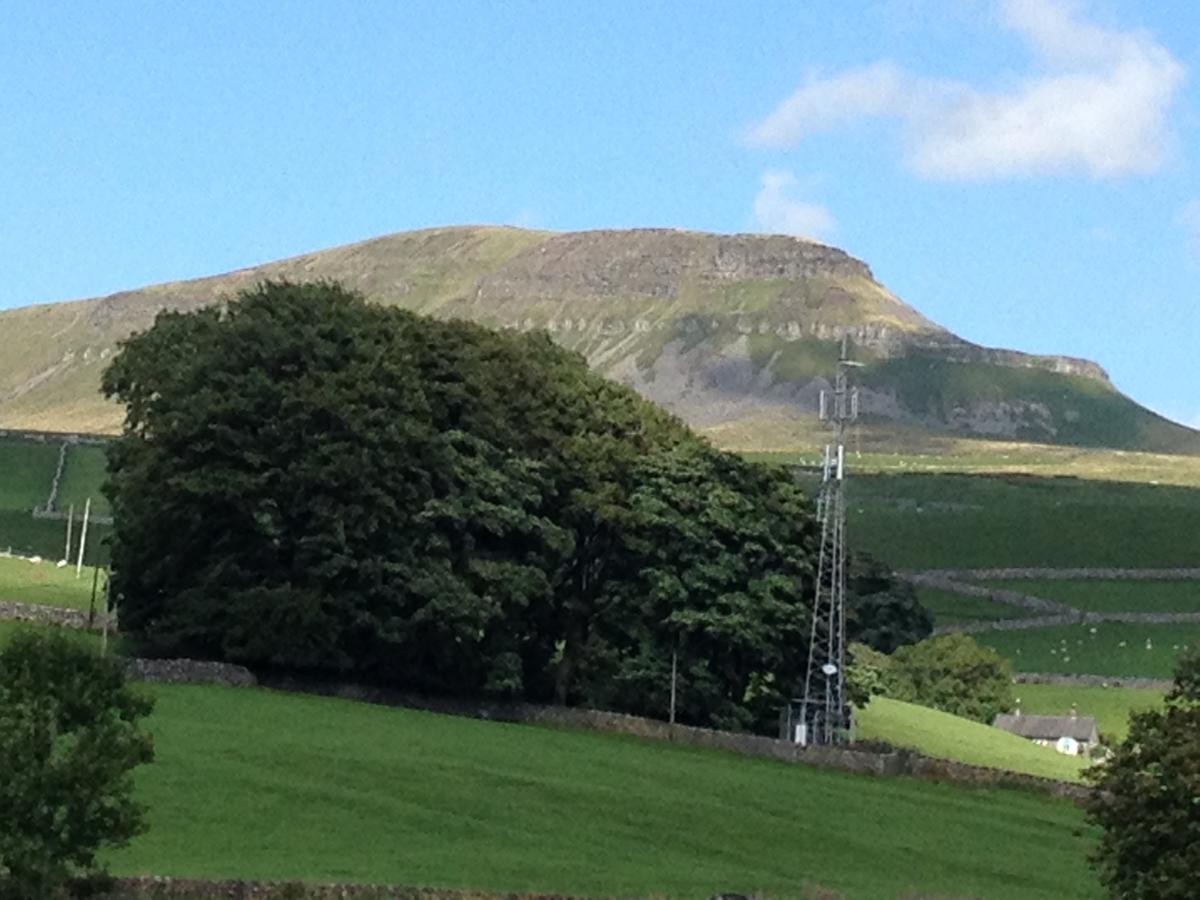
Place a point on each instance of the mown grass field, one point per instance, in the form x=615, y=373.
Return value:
x=260, y=784
x=1110, y=706
x=940, y=734
x=1111, y=595
x=44, y=582
x=1115, y=648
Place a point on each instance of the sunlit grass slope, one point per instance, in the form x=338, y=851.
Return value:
x=83, y=475
x=940, y=734
x=1110, y=706
x=255, y=783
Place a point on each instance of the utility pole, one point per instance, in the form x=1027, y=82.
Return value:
x=824, y=717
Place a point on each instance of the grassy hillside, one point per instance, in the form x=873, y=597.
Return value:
x=935, y=520
x=83, y=475
x=44, y=583
x=721, y=329
x=1105, y=648
x=254, y=783
x=940, y=734
x=1110, y=595
x=26, y=472
x=1110, y=706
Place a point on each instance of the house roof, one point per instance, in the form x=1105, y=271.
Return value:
x=1048, y=728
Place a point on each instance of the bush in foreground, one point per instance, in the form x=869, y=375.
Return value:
x=69, y=737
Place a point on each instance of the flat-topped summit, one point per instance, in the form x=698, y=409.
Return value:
x=719, y=328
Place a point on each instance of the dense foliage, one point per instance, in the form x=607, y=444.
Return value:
x=950, y=672
x=309, y=481
x=1147, y=798
x=69, y=736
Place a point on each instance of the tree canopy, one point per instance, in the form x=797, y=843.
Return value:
x=306, y=480
x=69, y=736
x=1147, y=797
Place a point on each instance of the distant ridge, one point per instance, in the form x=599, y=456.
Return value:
x=725, y=330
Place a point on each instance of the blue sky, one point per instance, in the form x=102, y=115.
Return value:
x=1022, y=171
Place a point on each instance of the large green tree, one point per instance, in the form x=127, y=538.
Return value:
x=1147, y=798
x=309, y=481
x=953, y=673
x=69, y=737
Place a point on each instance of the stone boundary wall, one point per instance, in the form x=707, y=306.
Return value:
x=70, y=437
x=1113, y=681
x=1003, y=574
x=55, y=481
x=189, y=671
x=43, y=614
x=1079, y=618
x=954, y=584
x=146, y=887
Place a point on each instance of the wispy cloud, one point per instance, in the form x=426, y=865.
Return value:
x=778, y=211
x=1097, y=101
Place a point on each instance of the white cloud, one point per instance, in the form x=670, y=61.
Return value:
x=777, y=211
x=1097, y=102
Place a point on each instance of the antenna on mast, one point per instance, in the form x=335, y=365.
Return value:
x=824, y=716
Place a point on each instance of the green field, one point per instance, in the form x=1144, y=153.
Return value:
x=940, y=734
x=1111, y=595
x=966, y=521
x=1115, y=648
x=45, y=583
x=949, y=608
x=1110, y=706
x=259, y=784
x=83, y=475
x=26, y=472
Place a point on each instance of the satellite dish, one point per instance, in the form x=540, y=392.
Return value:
x=829, y=668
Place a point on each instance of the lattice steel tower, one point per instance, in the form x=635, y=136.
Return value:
x=824, y=715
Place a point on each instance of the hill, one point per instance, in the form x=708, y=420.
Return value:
x=940, y=734
x=728, y=331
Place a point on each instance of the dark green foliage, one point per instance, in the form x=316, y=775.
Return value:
x=881, y=611
x=69, y=737
x=309, y=481
x=953, y=673
x=1147, y=798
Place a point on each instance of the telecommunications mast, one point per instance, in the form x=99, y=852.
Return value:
x=824, y=715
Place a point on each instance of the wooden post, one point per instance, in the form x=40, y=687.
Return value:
x=674, y=673
x=87, y=509
x=70, y=520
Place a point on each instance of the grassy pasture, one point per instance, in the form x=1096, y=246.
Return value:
x=1110, y=706
x=83, y=475
x=260, y=784
x=963, y=521
x=47, y=537
x=1104, y=648
x=1111, y=595
x=948, y=608
x=26, y=472
x=940, y=734
x=44, y=583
